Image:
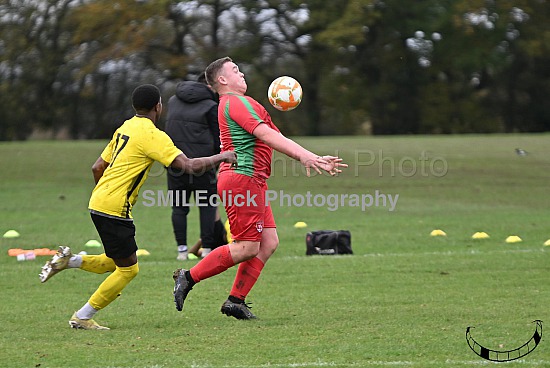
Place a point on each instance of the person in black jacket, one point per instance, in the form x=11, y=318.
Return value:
x=192, y=123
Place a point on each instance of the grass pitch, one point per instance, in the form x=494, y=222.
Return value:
x=403, y=299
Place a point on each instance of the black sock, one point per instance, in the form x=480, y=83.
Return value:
x=189, y=279
x=235, y=300
x=220, y=235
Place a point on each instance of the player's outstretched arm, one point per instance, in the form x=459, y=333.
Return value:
x=310, y=160
x=202, y=164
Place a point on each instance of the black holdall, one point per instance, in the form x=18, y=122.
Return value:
x=328, y=242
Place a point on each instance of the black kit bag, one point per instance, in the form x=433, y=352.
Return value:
x=328, y=242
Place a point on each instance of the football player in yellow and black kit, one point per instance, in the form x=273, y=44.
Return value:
x=119, y=173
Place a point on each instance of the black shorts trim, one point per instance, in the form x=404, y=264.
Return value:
x=117, y=236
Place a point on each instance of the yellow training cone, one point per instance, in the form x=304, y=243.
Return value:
x=300, y=225
x=142, y=252
x=513, y=239
x=438, y=232
x=480, y=235
x=11, y=234
x=93, y=243
x=547, y=243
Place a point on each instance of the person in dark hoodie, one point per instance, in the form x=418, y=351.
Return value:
x=192, y=123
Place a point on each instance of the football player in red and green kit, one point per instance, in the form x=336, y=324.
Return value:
x=246, y=128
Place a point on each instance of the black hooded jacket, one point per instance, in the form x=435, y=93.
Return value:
x=192, y=121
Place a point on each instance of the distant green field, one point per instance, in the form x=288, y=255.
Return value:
x=404, y=298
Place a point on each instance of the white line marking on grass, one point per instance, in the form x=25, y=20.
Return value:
x=532, y=363
x=454, y=253
x=314, y=364
x=442, y=253
x=381, y=363
x=472, y=252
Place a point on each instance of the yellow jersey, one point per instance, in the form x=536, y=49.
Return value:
x=135, y=146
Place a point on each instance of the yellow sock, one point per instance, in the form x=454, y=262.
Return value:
x=97, y=264
x=110, y=289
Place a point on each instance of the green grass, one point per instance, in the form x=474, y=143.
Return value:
x=403, y=299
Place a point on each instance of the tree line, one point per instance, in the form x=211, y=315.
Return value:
x=67, y=67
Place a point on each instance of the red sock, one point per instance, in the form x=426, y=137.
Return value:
x=214, y=263
x=246, y=277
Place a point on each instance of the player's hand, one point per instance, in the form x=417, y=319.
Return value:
x=330, y=164
x=230, y=157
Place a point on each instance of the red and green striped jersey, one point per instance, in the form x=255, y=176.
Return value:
x=238, y=116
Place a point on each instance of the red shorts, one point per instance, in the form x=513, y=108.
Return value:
x=244, y=200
